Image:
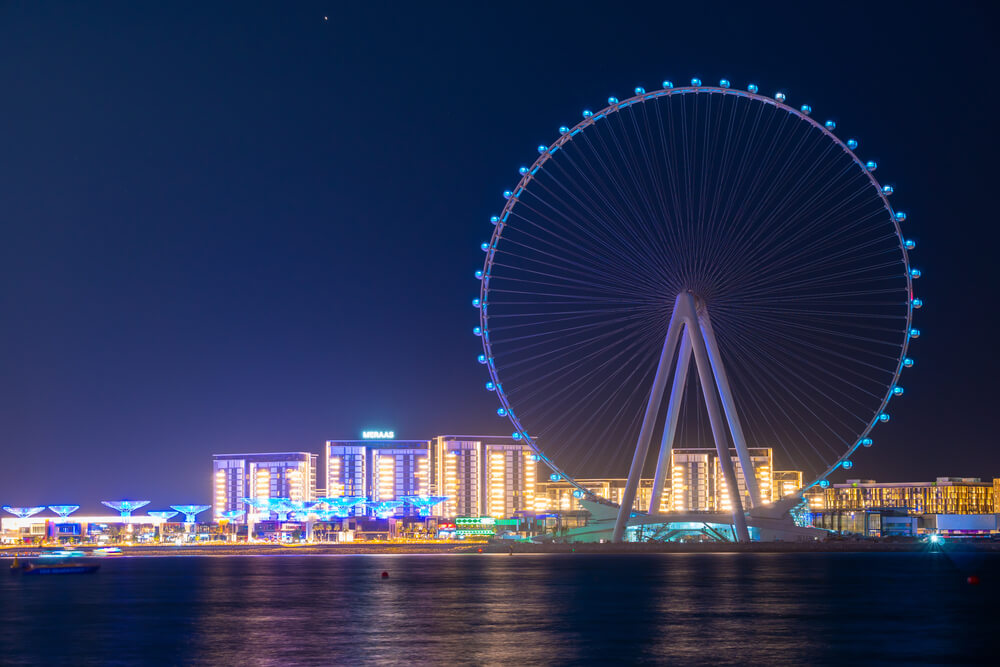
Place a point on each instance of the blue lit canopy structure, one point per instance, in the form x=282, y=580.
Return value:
x=190, y=512
x=384, y=509
x=125, y=507
x=232, y=515
x=163, y=515
x=423, y=503
x=22, y=512
x=340, y=506
x=64, y=510
x=701, y=223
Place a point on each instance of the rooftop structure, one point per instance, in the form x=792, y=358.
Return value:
x=190, y=512
x=64, y=510
x=22, y=512
x=125, y=507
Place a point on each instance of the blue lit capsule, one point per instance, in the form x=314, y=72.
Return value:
x=578, y=494
x=490, y=386
x=481, y=358
x=507, y=194
x=555, y=477
x=612, y=100
x=780, y=97
x=830, y=125
x=542, y=148
x=588, y=113
x=883, y=417
x=696, y=82
x=515, y=435
x=887, y=190
x=871, y=165
x=914, y=273
x=494, y=219
x=522, y=170
x=563, y=129
x=639, y=90
x=823, y=483
x=806, y=109
x=478, y=331
x=479, y=274
x=484, y=246
x=535, y=457
x=867, y=442
x=668, y=84
x=852, y=144
x=907, y=362
x=502, y=412
x=900, y=216
x=898, y=391
x=909, y=244
x=476, y=302
x=753, y=88
x=724, y=83
x=917, y=303
x=846, y=465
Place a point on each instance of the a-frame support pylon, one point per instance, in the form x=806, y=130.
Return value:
x=690, y=330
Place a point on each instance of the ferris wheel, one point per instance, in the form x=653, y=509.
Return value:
x=707, y=229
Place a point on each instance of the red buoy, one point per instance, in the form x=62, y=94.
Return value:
x=480, y=550
x=972, y=579
x=385, y=575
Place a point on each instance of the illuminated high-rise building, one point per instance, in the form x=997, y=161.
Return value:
x=946, y=495
x=454, y=468
x=379, y=468
x=482, y=475
x=785, y=483
x=289, y=475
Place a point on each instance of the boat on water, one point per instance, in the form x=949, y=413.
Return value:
x=53, y=567
x=106, y=552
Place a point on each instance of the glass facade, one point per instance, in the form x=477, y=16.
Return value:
x=947, y=495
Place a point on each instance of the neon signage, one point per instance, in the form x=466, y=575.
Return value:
x=378, y=435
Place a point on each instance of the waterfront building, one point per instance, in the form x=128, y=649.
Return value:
x=946, y=495
x=379, y=468
x=785, y=483
x=482, y=475
x=261, y=476
x=697, y=483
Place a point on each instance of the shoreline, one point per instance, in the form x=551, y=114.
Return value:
x=521, y=548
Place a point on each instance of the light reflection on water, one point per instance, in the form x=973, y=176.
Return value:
x=511, y=610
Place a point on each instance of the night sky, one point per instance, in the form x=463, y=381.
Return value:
x=228, y=227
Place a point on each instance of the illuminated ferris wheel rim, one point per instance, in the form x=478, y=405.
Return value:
x=641, y=96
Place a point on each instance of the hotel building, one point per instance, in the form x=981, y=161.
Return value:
x=947, y=495
x=270, y=475
x=378, y=468
x=481, y=475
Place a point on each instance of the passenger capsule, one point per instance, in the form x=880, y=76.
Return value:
x=535, y=457
x=478, y=331
x=900, y=216
x=887, y=190
x=515, y=435
x=502, y=412
x=724, y=83
x=806, y=109
x=909, y=244
x=914, y=273
x=542, y=148
x=823, y=484
x=476, y=302
x=490, y=386
x=588, y=113
x=563, y=129
x=846, y=465
x=852, y=144
x=484, y=246
x=612, y=100
x=897, y=391
x=639, y=90
x=830, y=125
x=578, y=494
x=481, y=358
x=695, y=82
x=780, y=97
x=507, y=194
x=479, y=274
x=871, y=165
x=907, y=362
x=753, y=88
x=867, y=442
x=668, y=84
x=883, y=417
x=522, y=170
x=917, y=303
x=555, y=477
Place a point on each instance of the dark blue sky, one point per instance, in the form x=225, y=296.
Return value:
x=237, y=227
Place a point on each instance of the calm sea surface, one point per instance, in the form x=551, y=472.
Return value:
x=793, y=609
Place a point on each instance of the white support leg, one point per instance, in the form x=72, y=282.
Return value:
x=670, y=425
x=719, y=370
x=689, y=313
x=648, y=422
